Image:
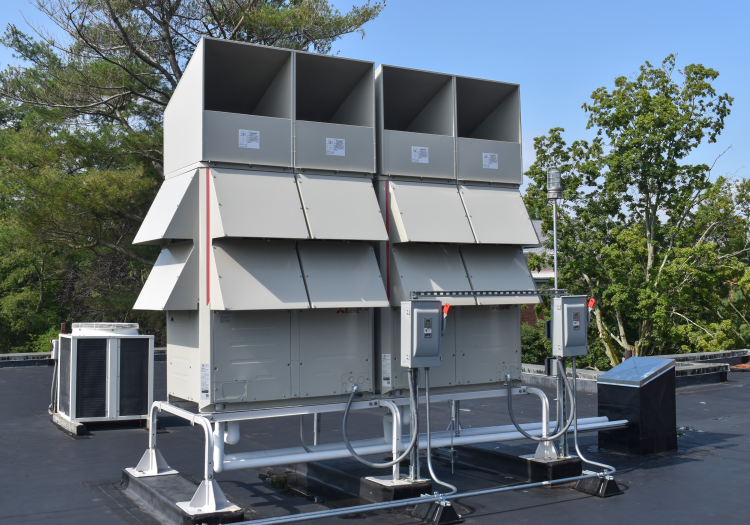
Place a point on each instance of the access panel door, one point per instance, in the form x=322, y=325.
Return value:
x=490, y=344
x=252, y=356
x=335, y=351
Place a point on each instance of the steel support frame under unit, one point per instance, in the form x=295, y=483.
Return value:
x=209, y=497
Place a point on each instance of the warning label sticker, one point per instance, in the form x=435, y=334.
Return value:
x=489, y=161
x=336, y=147
x=205, y=380
x=249, y=139
x=420, y=155
x=386, y=381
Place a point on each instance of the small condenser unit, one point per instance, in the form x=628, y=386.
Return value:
x=105, y=372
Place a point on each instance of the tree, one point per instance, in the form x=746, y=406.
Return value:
x=81, y=142
x=649, y=235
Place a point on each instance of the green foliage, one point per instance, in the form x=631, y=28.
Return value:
x=661, y=246
x=535, y=348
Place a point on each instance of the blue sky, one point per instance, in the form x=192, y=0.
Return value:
x=558, y=51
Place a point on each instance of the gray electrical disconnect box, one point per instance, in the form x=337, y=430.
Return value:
x=421, y=331
x=570, y=321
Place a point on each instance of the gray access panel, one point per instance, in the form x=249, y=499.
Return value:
x=251, y=356
x=490, y=344
x=488, y=161
x=335, y=349
x=183, y=355
x=498, y=267
x=421, y=333
x=342, y=208
x=256, y=275
x=173, y=214
x=334, y=147
x=570, y=316
x=427, y=267
x=398, y=155
x=342, y=275
x=422, y=212
x=256, y=204
x=498, y=215
x=223, y=139
x=173, y=281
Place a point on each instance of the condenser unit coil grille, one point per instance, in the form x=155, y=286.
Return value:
x=134, y=376
x=91, y=378
x=65, y=355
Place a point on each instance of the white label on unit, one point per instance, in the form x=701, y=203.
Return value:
x=489, y=161
x=205, y=381
x=386, y=370
x=420, y=155
x=249, y=139
x=336, y=147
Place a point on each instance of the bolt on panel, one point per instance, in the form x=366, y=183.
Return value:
x=173, y=281
x=335, y=351
x=342, y=208
x=422, y=212
x=418, y=267
x=247, y=139
x=251, y=355
x=491, y=344
x=183, y=356
x=256, y=204
x=342, y=275
x=172, y=215
x=492, y=267
x=256, y=275
x=499, y=215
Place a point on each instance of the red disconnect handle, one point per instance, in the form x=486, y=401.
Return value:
x=446, y=308
x=592, y=302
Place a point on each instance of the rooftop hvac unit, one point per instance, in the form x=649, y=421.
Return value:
x=105, y=372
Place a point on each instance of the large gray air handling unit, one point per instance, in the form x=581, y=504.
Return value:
x=288, y=247
x=267, y=219
x=105, y=373
x=449, y=169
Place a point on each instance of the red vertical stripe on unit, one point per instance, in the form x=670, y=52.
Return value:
x=388, y=242
x=208, y=237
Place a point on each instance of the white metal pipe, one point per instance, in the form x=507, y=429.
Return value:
x=357, y=405
x=374, y=442
x=379, y=446
x=208, y=467
x=232, y=433
x=545, y=409
x=219, y=447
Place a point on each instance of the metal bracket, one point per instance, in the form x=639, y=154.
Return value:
x=151, y=464
x=432, y=294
